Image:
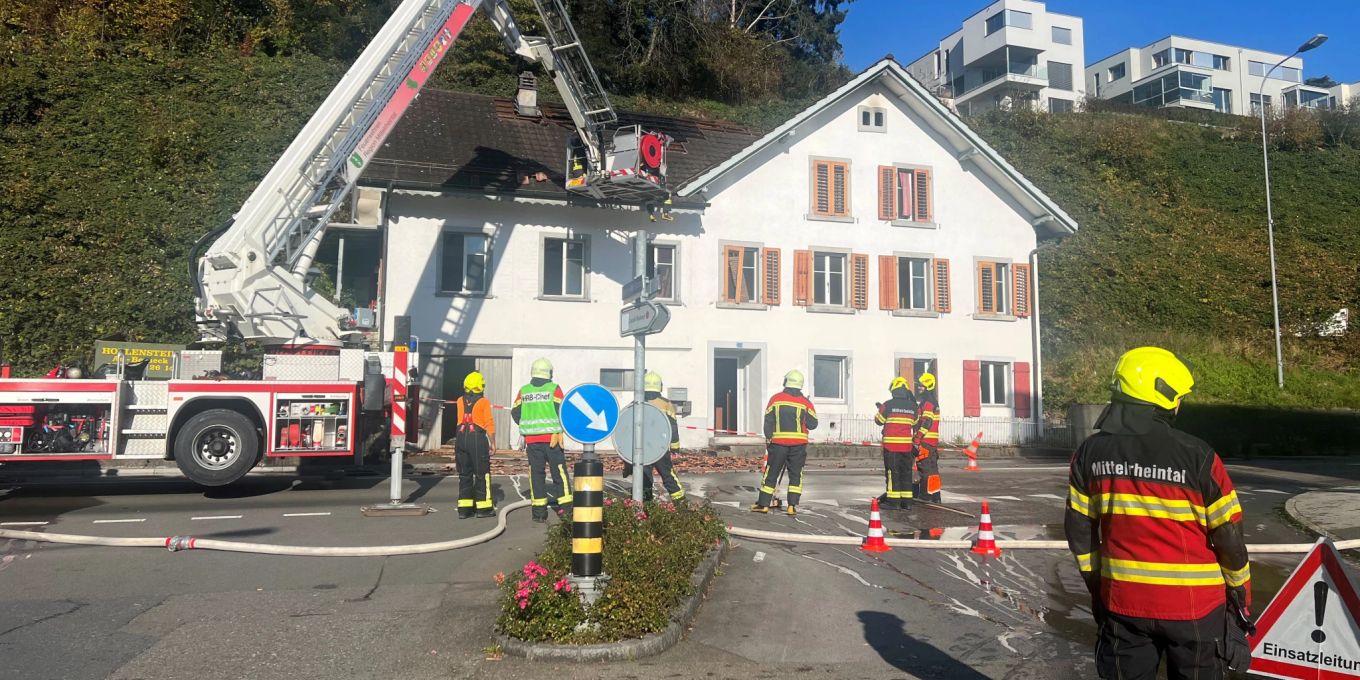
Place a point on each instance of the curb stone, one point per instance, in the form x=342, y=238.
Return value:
x=626, y=650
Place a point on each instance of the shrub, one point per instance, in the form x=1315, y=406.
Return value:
x=650, y=552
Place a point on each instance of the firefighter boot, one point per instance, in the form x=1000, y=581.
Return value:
x=464, y=513
x=486, y=512
x=792, y=510
x=760, y=508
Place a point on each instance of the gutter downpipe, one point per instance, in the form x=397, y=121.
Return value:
x=1034, y=341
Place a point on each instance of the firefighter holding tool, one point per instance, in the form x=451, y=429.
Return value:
x=927, y=439
x=789, y=416
x=537, y=411
x=665, y=467
x=1155, y=525
x=898, y=418
x=473, y=449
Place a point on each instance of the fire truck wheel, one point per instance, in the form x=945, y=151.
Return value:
x=217, y=447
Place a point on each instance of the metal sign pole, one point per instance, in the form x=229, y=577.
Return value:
x=639, y=370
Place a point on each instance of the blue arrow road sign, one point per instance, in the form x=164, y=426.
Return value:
x=589, y=413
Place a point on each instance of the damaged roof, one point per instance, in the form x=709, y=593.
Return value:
x=458, y=141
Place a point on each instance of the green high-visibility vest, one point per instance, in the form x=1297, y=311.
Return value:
x=537, y=411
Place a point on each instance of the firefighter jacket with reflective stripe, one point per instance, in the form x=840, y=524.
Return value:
x=928, y=420
x=536, y=410
x=1152, y=511
x=789, y=417
x=898, y=418
x=655, y=399
x=475, y=423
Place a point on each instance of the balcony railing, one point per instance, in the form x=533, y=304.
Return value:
x=973, y=80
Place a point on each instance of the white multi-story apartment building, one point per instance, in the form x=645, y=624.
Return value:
x=1344, y=95
x=1010, y=53
x=871, y=235
x=1190, y=73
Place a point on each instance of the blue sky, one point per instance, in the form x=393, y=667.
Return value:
x=910, y=28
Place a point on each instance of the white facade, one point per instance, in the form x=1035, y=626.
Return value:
x=1190, y=73
x=1344, y=95
x=1009, y=53
x=728, y=352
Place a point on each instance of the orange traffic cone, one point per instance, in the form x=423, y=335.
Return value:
x=874, y=541
x=986, y=540
x=971, y=452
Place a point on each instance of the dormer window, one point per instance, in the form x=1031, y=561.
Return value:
x=873, y=119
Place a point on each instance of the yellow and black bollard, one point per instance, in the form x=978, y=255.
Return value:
x=587, y=519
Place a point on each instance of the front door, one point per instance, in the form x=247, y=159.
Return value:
x=726, y=397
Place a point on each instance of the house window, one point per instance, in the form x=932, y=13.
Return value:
x=1162, y=58
x=1222, y=63
x=1118, y=71
x=1222, y=100
x=913, y=283
x=750, y=275
x=829, y=376
x=1009, y=17
x=828, y=279
x=873, y=119
x=994, y=288
x=830, y=188
x=617, y=379
x=993, y=383
x=905, y=194
x=1060, y=76
x=564, y=267
x=462, y=263
x=1256, y=103
x=1062, y=36
x=1056, y=105
x=661, y=260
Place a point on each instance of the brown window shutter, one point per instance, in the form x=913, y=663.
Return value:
x=943, y=291
x=859, y=278
x=802, y=277
x=887, y=192
x=770, y=293
x=925, y=204
x=906, y=368
x=1020, y=288
x=821, y=188
x=887, y=282
x=986, y=286
x=731, y=269
x=840, y=196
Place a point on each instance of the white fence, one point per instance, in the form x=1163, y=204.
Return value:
x=956, y=430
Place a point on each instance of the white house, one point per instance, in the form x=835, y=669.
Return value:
x=873, y=234
x=1185, y=72
x=1009, y=53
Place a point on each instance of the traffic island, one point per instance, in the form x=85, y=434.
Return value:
x=660, y=558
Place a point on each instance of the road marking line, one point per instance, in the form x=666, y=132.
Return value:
x=760, y=557
x=217, y=517
x=825, y=501
x=22, y=524
x=1283, y=493
x=119, y=521
x=1046, y=495
x=733, y=504
x=1024, y=469
x=304, y=514
x=1005, y=498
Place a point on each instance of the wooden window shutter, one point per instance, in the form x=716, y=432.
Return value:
x=840, y=196
x=770, y=293
x=972, y=389
x=1020, y=289
x=887, y=193
x=821, y=188
x=907, y=369
x=802, y=277
x=986, y=287
x=924, y=208
x=731, y=268
x=887, y=282
x=943, y=290
x=859, y=281
x=1022, y=390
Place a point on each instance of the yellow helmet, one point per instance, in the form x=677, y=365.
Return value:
x=474, y=382
x=652, y=381
x=926, y=380
x=794, y=379
x=542, y=368
x=897, y=383
x=1154, y=376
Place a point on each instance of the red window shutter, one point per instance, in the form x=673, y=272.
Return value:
x=1021, y=288
x=802, y=277
x=859, y=281
x=731, y=269
x=821, y=188
x=943, y=290
x=840, y=195
x=887, y=193
x=887, y=282
x=972, y=388
x=924, y=201
x=1022, y=390
x=986, y=287
x=770, y=294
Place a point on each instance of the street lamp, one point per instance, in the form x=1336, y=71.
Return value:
x=1270, y=215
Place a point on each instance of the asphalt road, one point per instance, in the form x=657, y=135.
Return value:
x=777, y=609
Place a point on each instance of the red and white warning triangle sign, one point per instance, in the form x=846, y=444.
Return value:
x=1311, y=629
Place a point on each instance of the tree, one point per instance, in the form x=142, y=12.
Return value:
x=1320, y=81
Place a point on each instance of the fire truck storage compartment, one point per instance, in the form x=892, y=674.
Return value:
x=311, y=423
x=54, y=428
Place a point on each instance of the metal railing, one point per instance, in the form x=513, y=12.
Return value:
x=996, y=430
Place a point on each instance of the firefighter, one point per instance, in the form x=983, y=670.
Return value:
x=665, y=467
x=537, y=410
x=927, y=439
x=473, y=448
x=1155, y=526
x=789, y=416
x=898, y=418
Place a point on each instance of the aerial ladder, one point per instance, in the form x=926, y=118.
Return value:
x=251, y=273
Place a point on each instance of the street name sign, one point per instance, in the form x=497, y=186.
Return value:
x=589, y=413
x=645, y=318
x=1311, y=628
